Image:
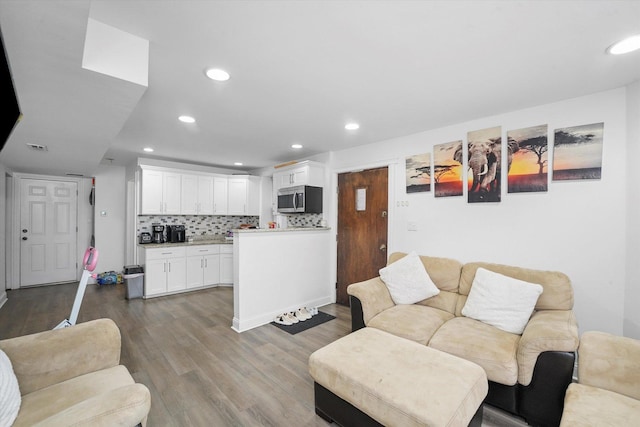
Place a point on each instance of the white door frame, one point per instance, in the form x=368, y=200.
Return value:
x=82, y=218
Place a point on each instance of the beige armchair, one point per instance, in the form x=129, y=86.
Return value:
x=72, y=376
x=608, y=388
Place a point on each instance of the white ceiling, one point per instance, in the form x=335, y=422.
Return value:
x=299, y=71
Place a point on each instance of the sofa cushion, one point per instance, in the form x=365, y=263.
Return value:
x=557, y=294
x=445, y=272
x=49, y=401
x=501, y=301
x=414, y=322
x=590, y=406
x=408, y=281
x=489, y=347
x=9, y=391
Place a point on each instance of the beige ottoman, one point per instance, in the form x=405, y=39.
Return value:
x=371, y=377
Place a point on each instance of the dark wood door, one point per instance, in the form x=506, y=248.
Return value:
x=362, y=227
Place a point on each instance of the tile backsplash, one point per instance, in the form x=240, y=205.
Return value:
x=197, y=225
x=304, y=220
x=212, y=225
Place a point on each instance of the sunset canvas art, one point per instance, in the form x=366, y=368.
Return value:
x=447, y=171
x=418, y=171
x=528, y=149
x=577, y=152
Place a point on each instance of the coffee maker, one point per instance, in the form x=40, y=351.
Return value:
x=175, y=233
x=158, y=233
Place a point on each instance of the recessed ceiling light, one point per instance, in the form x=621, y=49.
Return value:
x=625, y=46
x=148, y=149
x=187, y=119
x=238, y=163
x=352, y=126
x=296, y=146
x=217, y=74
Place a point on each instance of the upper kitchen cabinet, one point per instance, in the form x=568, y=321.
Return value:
x=161, y=192
x=244, y=195
x=303, y=173
x=220, y=195
x=197, y=195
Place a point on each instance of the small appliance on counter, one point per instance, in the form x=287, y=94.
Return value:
x=145, y=238
x=175, y=233
x=158, y=233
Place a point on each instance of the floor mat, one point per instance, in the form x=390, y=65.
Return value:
x=316, y=320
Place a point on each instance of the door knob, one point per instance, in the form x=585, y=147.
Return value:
x=24, y=238
x=24, y=230
x=383, y=247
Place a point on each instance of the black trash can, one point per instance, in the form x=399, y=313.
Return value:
x=133, y=279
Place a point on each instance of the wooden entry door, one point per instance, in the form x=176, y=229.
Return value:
x=362, y=227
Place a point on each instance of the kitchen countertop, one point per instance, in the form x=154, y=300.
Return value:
x=279, y=230
x=199, y=242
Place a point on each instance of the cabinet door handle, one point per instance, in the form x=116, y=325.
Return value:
x=200, y=263
x=164, y=267
x=206, y=263
x=169, y=266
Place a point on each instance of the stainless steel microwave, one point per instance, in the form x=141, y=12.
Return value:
x=301, y=199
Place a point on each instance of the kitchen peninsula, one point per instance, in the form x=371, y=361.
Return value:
x=279, y=270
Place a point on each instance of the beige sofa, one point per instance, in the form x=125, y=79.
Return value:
x=608, y=388
x=528, y=374
x=72, y=376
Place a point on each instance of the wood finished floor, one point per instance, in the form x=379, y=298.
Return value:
x=199, y=371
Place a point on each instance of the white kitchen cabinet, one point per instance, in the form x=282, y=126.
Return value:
x=161, y=191
x=220, y=195
x=303, y=173
x=244, y=195
x=203, y=266
x=197, y=195
x=165, y=270
x=226, y=264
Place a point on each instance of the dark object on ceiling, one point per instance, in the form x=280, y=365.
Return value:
x=11, y=109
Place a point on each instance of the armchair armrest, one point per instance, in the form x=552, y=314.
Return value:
x=609, y=362
x=547, y=330
x=374, y=296
x=46, y=358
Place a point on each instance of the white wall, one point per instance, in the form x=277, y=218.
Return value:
x=3, y=235
x=576, y=227
x=110, y=198
x=632, y=293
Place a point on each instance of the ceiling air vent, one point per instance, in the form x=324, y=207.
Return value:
x=37, y=147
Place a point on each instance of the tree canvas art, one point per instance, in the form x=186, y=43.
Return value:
x=447, y=171
x=577, y=152
x=484, y=163
x=418, y=171
x=527, y=159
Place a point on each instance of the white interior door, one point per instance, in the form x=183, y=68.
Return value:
x=48, y=231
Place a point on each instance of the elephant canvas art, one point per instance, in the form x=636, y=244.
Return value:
x=484, y=164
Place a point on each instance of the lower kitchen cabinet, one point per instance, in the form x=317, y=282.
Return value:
x=226, y=265
x=203, y=266
x=165, y=271
x=174, y=269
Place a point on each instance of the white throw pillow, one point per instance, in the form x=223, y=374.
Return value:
x=501, y=301
x=9, y=392
x=408, y=281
